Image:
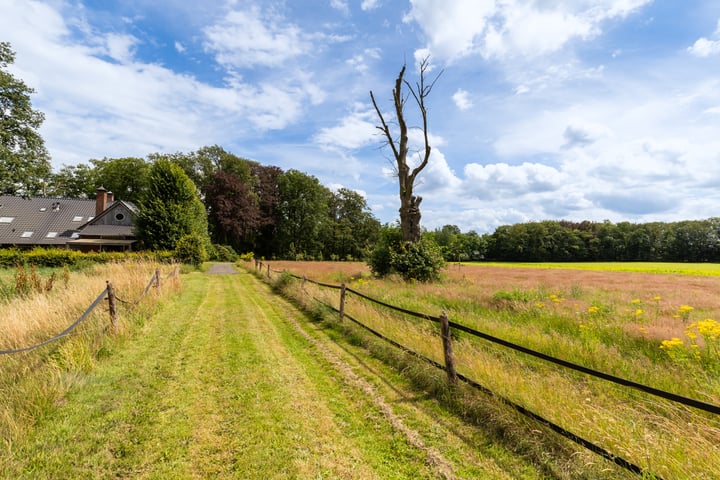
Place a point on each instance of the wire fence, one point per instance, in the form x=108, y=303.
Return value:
x=109, y=293
x=449, y=367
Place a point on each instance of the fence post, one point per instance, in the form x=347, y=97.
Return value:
x=157, y=281
x=342, y=301
x=112, y=306
x=268, y=274
x=302, y=283
x=448, y=349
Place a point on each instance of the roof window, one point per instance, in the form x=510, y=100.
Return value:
x=6, y=219
x=26, y=234
x=77, y=219
x=51, y=234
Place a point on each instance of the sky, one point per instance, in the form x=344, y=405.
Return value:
x=542, y=110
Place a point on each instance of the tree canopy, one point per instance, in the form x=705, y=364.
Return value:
x=170, y=208
x=24, y=161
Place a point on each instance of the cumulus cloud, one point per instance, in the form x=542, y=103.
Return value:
x=462, y=99
x=98, y=95
x=511, y=27
x=353, y=131
x=490, y=181
x=249, y=37
x=705, y=47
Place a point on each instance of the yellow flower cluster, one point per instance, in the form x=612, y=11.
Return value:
x=672, y=343
x=709, y=329
x=593, y=309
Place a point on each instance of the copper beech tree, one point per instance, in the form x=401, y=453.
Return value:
x=398, y=142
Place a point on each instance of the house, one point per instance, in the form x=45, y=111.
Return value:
x=102, y=224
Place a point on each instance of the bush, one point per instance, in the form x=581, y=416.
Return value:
x=247, y=257
x=190, y=249
x=224, y=253
x=420, y=261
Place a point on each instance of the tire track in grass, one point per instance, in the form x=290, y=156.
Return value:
x=220, y=384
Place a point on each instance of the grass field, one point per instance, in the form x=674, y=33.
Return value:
x=700, y=269
x=230, y=381
x=657, y=329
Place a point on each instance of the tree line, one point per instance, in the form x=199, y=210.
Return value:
x=248, y=206
x=565, y=241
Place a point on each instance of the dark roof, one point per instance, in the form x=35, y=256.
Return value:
x=107, y=231
x=42, y=220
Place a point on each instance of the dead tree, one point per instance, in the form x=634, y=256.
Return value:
x=409, y=202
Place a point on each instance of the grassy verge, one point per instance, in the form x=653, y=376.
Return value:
x=32, y=383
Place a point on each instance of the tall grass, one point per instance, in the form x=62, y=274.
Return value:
x=32, y=382
x=581, y=323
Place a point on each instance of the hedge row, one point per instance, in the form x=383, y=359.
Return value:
x=58, y=257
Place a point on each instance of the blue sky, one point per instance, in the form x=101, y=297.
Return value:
x=546, y=109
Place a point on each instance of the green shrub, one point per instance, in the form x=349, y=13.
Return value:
x=190, y=249
x=420, y=261
x=223, y=253
x=247, y=257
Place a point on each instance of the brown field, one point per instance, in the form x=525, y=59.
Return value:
x=621, y=288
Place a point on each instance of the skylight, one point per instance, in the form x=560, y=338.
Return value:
x=52, y=234
x=6, y=219
x=26, y=234
x=77, y=219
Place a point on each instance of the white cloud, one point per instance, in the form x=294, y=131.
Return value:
x=501, y=179
x=340, y=5
x=369, y=4
x=179, y=47
x=120, y=47
x=360, y=62
x=462, y=99
x=96, y=108
x=508, y=28
x=354, y=131
x=705, y=47
x=247, y=38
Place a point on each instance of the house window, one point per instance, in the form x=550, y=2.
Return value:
x=6, y=219
x=119, y=217
x=52, y=234
x=77, y=219
x=26, y=234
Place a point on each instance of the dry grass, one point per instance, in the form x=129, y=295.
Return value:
x=32, y=381
x=550, y=310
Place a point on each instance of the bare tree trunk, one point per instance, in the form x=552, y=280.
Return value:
x=409, y=203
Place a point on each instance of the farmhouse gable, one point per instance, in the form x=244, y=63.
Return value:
x=85, y=224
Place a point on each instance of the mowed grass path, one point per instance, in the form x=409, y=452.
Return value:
x=223, y=384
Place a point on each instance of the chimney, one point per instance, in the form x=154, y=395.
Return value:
x=100, y=201
x=110, y=198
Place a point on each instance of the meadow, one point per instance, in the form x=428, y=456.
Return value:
x=655, y=324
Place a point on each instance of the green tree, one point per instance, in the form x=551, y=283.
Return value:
x=73, y=181
x=24, y=161
x=353, y=228
x=128, y=178
x=302, y=215
x=169, y=208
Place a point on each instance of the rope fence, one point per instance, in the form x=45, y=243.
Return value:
x=449, y=366
x=108, y=292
